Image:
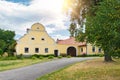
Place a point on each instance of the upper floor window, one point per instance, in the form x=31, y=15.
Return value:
x=26, y=50
x=46, y=50
x=37, y=27
x=32, y=38
x=93, y=49
x=42, y=39
x=36, y=50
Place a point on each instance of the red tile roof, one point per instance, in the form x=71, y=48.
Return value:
x=71, y=41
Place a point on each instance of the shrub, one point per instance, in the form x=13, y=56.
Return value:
x=41, y=57
x=50, y=57
x=59, y=57
x=33, y=57
x=101, y=55
x=1, y=51
x=83, y=55
x=68, y=56
x=20, y=56
x=63, y=55
x=36, y=55
x=91, y=55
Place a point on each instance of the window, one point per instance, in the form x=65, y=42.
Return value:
x=37, y=27
x=46, y=50
x=99, y=50
x=32, y=38
x=42, y=39
x=93, y=49
x=36, y=50
x=26, y=50
x=81, y=49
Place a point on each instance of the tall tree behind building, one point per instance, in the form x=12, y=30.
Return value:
x=101, y=19
x=72, y=29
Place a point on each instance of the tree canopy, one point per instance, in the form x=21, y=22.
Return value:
x=7, y=42
x=102, y=22
x=72, y=29
x=103, y=29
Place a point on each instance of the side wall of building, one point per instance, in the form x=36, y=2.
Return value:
x=91, y=49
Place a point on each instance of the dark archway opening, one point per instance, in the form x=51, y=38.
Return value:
x=71, y=51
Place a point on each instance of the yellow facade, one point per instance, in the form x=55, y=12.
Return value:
x=63, y=48
x=37, y=41
x=91, y=49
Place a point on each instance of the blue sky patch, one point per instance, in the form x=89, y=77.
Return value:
x=24, y=2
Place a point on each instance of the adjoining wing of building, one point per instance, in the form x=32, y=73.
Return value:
x=37, y=41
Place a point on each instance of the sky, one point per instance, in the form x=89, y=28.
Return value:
x=18, y=15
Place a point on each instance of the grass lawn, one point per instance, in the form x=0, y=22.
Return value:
x=87, y=70
x=11, y=64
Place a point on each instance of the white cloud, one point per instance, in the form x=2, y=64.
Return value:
x=19, y=17
x=60, y=37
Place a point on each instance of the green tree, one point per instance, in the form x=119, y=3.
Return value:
x=1, y=52
x=102, y=24
x=72, y=29
x=77, y=9
x=103, y=28
x=11, y=48
x=2, y=44
x=7, y=40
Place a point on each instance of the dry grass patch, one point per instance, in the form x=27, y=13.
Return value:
x=88, y=70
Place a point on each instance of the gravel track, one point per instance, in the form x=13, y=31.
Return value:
x=34, y=71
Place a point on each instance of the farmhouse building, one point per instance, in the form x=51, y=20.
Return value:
x=37, y=41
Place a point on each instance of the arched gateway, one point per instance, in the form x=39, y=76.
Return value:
x=71, y=51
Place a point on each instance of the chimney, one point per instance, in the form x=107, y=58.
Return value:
x=28, y=30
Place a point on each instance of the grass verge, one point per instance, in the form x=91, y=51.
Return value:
x=87, y=70
x=12, y=64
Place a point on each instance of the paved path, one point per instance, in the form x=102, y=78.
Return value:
x=34, y=71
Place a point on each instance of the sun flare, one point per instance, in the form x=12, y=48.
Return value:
x=56, y=5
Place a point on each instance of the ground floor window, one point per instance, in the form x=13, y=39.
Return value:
x=93, y=49
x=36, y=50
x=26, y=50
x=81, y=49
x=99, y=50
x=46, y=50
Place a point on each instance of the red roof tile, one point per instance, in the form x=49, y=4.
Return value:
x=71, y=41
